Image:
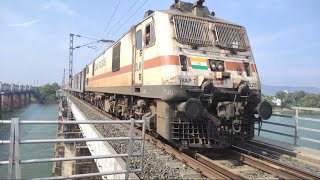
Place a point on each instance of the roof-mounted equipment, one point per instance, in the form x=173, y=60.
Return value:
x=196, y=8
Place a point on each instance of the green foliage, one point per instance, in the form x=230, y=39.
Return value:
x=47, y=93
x=300, y=98
x=268, y=98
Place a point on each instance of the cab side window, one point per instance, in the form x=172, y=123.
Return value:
x=116, y=57
x=139, y=39
x=149, y=35
x=93, y=68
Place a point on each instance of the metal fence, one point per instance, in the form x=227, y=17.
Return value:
x=296, y=125
x=15, y=141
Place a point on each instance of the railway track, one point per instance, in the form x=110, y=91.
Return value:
x=215, y=168
x=282, y=170
x=246, y=164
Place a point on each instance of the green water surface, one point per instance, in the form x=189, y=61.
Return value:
x=31, y=151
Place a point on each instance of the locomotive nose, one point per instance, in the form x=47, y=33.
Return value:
x=264, y=109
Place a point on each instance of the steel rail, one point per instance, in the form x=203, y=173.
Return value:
x=200, y=167
x=214, y=165
x=271, y=166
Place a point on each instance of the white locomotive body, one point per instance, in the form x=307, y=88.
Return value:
x=189, y=74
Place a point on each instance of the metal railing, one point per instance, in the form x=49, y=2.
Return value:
x=15, y=141
x=296, y=125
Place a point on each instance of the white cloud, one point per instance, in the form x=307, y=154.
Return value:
x=24, y=24
x=60, y=7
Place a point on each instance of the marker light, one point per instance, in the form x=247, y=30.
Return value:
x=220, y=67
x=213, y=65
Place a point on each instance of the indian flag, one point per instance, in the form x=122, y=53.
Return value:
x=199, y=63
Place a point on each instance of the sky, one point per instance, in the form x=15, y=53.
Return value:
x=34, y=35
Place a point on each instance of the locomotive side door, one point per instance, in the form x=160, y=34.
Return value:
x=138, y=57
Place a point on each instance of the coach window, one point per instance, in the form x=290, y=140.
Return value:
x=139, y=39
x=93, y=68
x=116, y=57
x=87, y=70
x=149, y=36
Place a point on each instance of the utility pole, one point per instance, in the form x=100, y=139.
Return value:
x=71, y=48
x=63, y=79
x=70, y=58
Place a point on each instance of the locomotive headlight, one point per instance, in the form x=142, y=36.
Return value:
x=220, y=66
x=213, y=65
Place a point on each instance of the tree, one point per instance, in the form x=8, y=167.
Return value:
x=47, y=92
x=281, y=95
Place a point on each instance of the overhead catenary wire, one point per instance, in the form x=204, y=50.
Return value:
x=124, y=22
x=129, y=10
x=85, y=37
x=105, y=29
x=130, y=17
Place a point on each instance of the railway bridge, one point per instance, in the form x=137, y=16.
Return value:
x=13, y=96
x=91, y=144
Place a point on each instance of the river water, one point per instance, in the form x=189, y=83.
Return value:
x=288, y=130
x=31, y=151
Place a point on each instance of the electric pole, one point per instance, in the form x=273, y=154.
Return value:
x=70, y=59
x=71, y=48
x=63, y=79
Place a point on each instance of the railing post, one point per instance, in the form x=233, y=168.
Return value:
x=128, y=162
x=142, y=143
x=11, y=150
x=17, y=148
x=296, y=126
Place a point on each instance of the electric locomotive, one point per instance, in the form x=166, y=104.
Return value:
x=189, y=74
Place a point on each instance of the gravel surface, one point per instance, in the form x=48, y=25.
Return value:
x=154, y=160
x=286, y=159
x=256, y=174
x=251, y=174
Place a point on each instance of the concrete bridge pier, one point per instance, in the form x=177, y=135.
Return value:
x=25, y=99
x=5, y=102
x=16, y=100
x=22, y=100
x=10, y=104
x=28, y=98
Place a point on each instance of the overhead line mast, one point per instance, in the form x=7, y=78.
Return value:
x=71, y=48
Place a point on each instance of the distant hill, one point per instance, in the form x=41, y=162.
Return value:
x=272, y=90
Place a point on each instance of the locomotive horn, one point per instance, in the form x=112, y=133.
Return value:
x=264, y=110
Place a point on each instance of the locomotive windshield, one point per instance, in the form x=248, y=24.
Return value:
x=199, y=32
